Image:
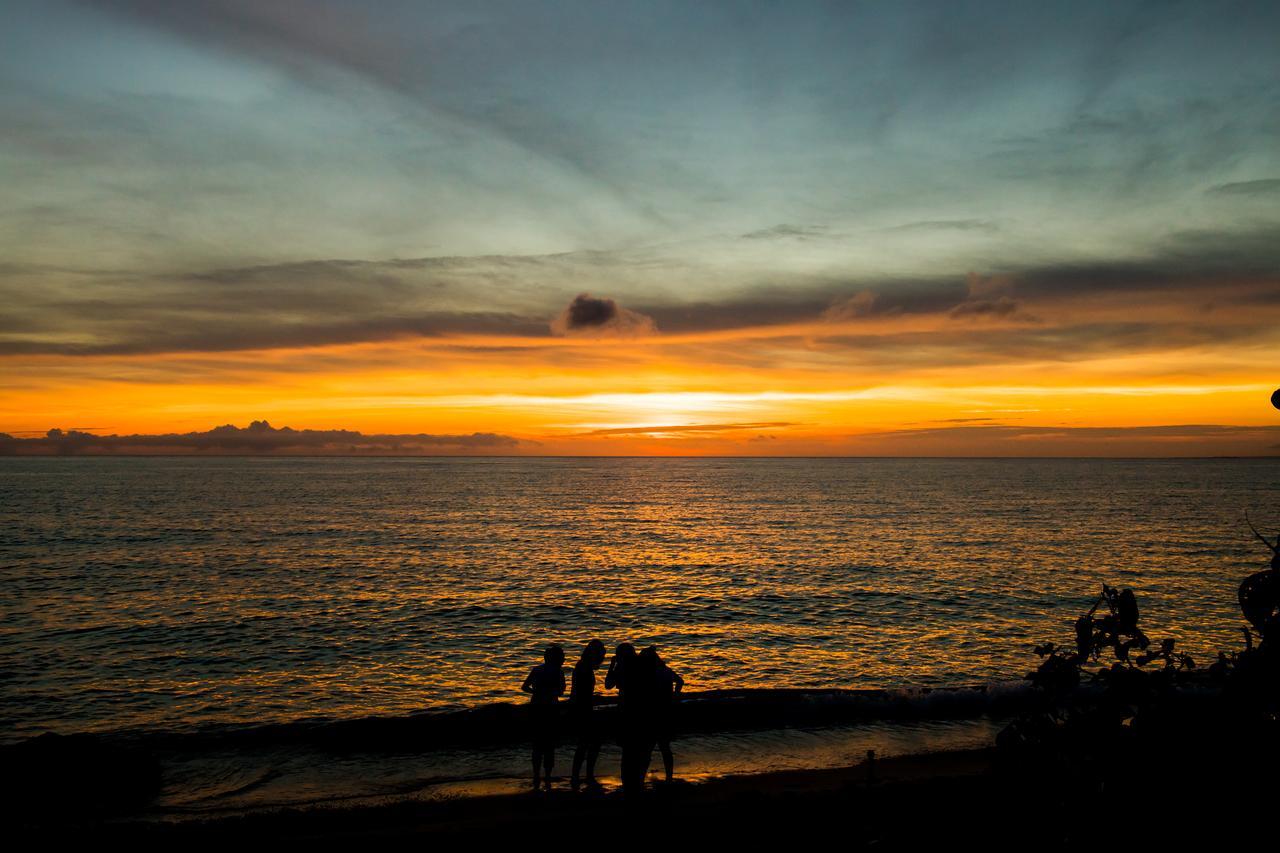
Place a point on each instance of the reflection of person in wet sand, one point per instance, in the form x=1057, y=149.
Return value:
x=582, y=712
x=545, y=683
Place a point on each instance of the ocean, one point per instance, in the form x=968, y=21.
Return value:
x=163, y=597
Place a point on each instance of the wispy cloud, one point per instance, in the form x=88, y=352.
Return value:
x=1260, y=187
x=679, y=429
x=56, y=310
x=1072, y=440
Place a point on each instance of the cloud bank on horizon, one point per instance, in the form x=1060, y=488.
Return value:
x=576, y=222
x=258, y=438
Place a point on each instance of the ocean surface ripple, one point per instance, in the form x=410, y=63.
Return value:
x=175, y=593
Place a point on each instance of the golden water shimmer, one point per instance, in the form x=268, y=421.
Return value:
x=168, y=593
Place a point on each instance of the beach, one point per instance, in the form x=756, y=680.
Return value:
x=960, y=797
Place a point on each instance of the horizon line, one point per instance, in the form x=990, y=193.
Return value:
x=600, y=456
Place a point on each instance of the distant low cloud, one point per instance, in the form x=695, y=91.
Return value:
x=259, y=438
x=594, y=315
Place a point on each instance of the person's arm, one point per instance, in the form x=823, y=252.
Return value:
x=679, y=680
x=560, y=686
x=527, y=687
x=609, y=678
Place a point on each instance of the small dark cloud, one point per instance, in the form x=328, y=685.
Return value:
x=259, y=438
x=589, y=315
x=1265, y=186
x=587, y=311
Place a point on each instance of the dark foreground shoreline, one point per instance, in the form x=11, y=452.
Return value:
x=965, y=798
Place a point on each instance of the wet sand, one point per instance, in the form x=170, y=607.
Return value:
x=951, y=798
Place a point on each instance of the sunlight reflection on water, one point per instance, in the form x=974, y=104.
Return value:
x=177, y=592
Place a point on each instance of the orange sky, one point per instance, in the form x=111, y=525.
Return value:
x=793, y=389
x=685, y=229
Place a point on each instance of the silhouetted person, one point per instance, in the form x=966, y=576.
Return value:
x=638, y=718
x=545, y=683
x=582, y=712
x=669, y=684
x=616, y=677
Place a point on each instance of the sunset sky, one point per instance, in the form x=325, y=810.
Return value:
x=646, y=228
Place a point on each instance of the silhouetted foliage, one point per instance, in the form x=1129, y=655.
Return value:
x=1117, y=700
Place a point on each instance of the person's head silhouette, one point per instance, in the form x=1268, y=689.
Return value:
x=593, y=653
x=648, y=661
x=553, y=655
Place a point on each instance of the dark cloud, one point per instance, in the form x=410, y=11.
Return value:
x=973, y=298
x=595, y=315
x=967, y=345
x=1189, y=260
x=318, y=302
x=587, y=311
x=1231, y=269
x=761, y=306
x=259, y=438
x=1265, y=186
x=310, y=303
